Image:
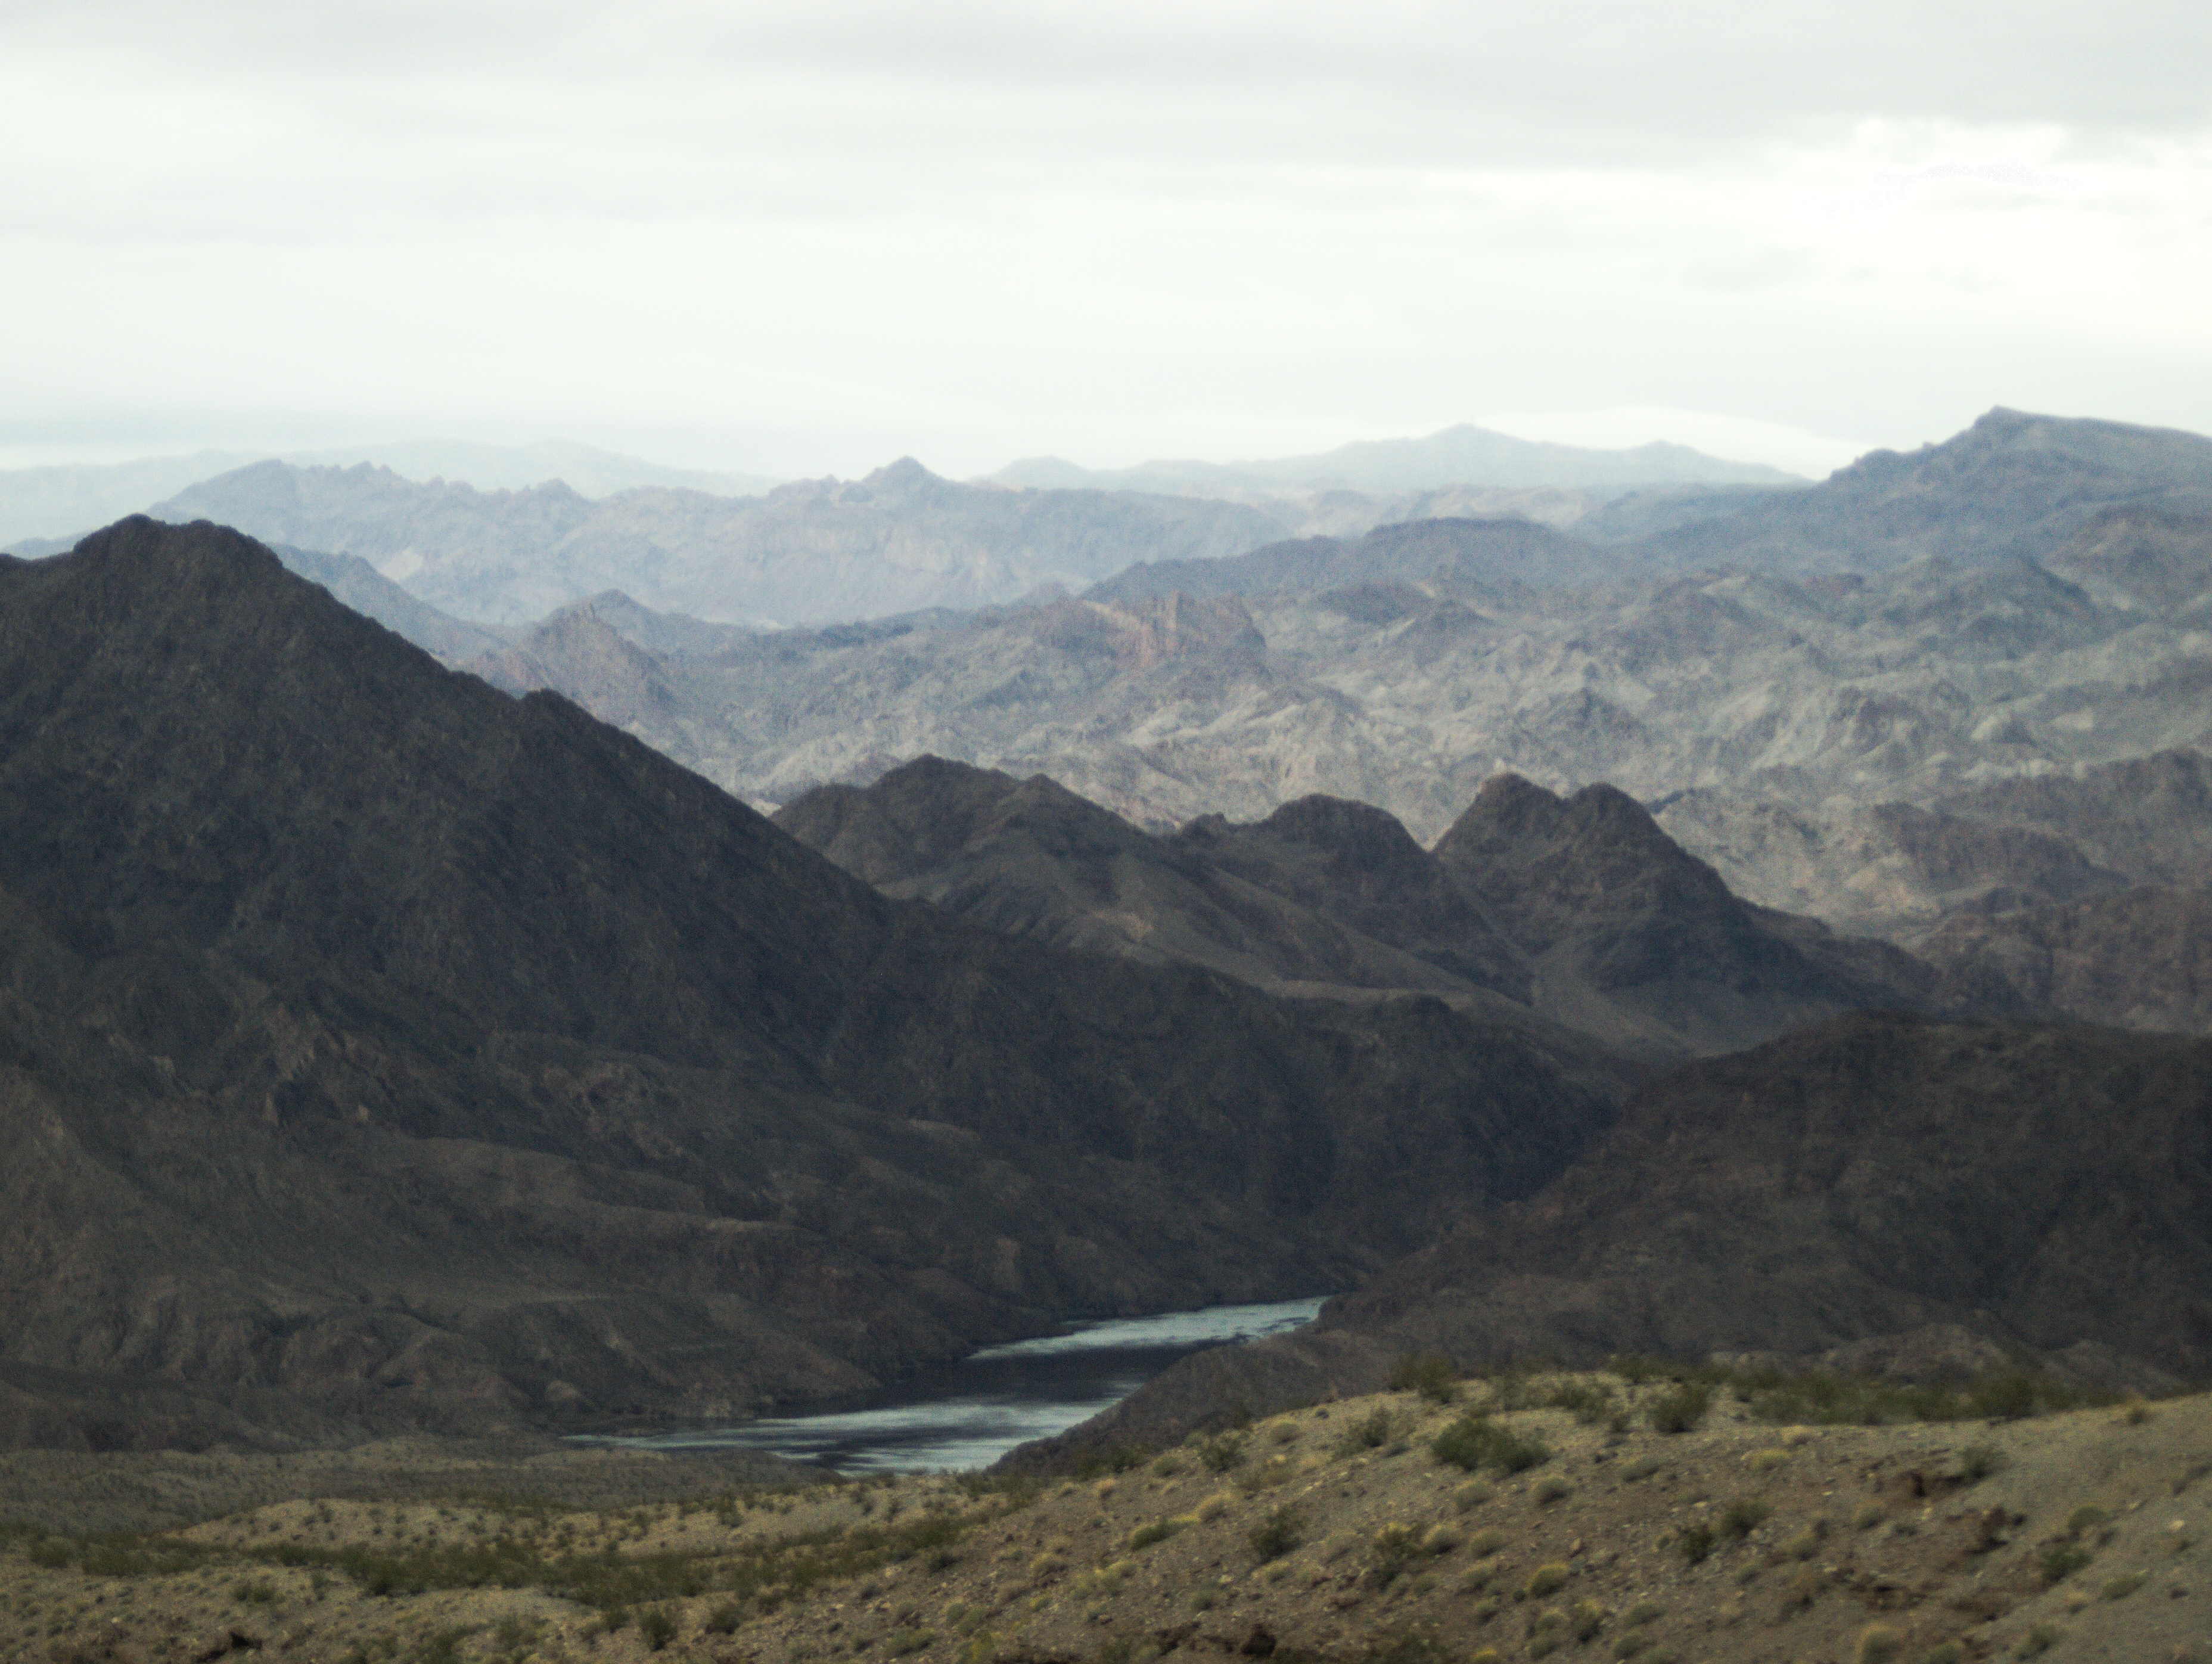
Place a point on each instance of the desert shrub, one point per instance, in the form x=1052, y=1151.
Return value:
x=1548, y=1579
x=657, y=1628
x=1153, y=1531
x=1743, y=1516
x=1878, y=1644
x=1680, y=1409
x=1439, y=1539
x=1474, y=1494
x=1221, y=1503
x=1642, y=1468
x=1643, y=1612
x=1806, y=1543
x=2060, y=1561
x=1373, y=1430
x=2037, y=1641
x=1978, y=1461
x=1407, y=1645
x=1588, y=1402
x=1476, y=1442
x=1222, y=1452
x=1635, y=1367
x=1586, y=1619
x=725, y=1619
x=1432, y=1375
x=1275, y=1536
x=899, y=1642
x=1487, y=1542
x=1552, y=1489
x=2122, y=1587
x=2085, y=1518
x=254, y=1593
x=1766, y=1461
x=1393, y=1548
x=1695, y=1543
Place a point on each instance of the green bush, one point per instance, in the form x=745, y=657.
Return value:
x=1371, y=1432
x=1743, y=1516
x=1395, y=1547
x=1680, y=1408
x=657, y=1627
x=1278, y=1534
x=1475, y=1442
x=1432, y=1375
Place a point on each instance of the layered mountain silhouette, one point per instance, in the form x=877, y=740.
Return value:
x=900, y=538
x=1579, y=909
x=377, y=1049
x=1461, y=455
x=1462, y=556
x=2013, y=484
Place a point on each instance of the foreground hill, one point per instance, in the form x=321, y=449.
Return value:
x=899, y=540
x=375, y=1048
x=1341, y=1533
x=1579, y=911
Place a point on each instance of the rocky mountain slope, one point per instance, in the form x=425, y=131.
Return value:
x=2014, y=484
x=1465, y=556
x=899, y=540
x=1879, y=1193
x=1578, y=911
x=2140, y=959
x=1912, y=685
x=375, y=1049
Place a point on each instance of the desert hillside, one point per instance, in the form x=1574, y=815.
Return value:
x=1723, y=1519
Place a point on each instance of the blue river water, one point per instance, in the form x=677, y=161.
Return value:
x=969, y=1414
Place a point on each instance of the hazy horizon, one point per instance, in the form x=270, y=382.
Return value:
x=800, y=241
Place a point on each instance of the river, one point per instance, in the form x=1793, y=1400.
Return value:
x=969, y=1414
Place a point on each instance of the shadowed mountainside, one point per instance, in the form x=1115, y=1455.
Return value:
x=1579, y=909
x=1881, y=1193
x=379, y=1050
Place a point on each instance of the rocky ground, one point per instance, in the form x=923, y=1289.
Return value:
x=1343, y=1531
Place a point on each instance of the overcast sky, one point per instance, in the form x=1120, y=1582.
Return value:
x=806, y=238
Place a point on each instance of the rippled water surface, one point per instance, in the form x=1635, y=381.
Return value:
x=970, y=1414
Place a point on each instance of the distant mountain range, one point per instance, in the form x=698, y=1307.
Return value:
x=899, y=540
x=1461, y=455
x=41, y=505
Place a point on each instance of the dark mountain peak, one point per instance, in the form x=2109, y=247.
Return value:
x=364, y=1014
x=1508, y=804
x=925, y=814
x=1598, y=844
x=1358, y=835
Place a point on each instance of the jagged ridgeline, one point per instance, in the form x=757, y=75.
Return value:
x=377, y=1049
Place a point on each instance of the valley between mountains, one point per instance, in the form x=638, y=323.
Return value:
x=1762, y=943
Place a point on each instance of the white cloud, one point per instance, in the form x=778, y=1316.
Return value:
x=828, y=233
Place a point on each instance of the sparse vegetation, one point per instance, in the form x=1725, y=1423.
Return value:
x=1432, y=1375
x=1476, y=1442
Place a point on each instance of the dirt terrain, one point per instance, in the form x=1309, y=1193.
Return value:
x=1394, y=1529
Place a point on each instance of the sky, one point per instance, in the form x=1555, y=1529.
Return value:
x=804, y=238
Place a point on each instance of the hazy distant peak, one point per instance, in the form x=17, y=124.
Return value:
x=1463, y=455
